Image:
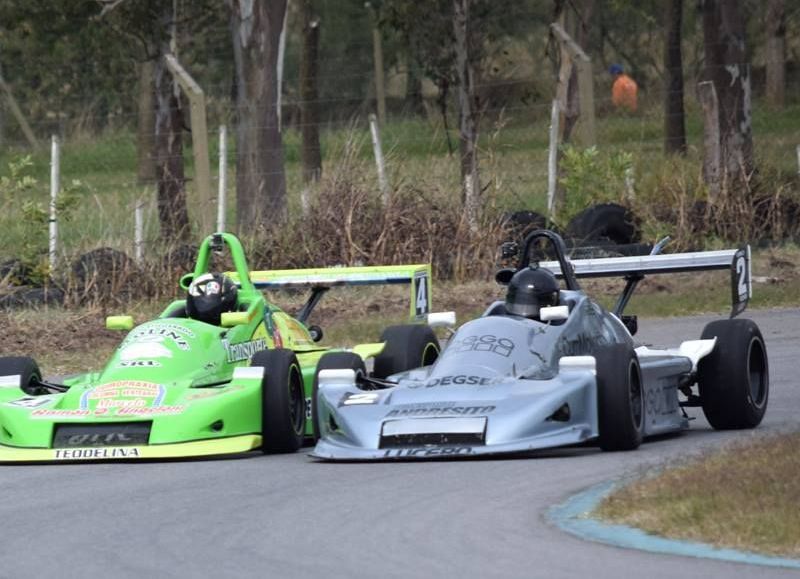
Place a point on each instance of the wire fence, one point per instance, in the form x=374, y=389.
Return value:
x=420, y=144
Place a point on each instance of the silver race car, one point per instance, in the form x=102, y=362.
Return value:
x=546, y=367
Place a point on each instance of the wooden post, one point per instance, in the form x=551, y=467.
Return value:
x=223, y=178
x=279, y=72
x=146, y=123
x=573, y=55
x=712, y=156
x=552, y=161
x=138, y=233
x=376, y=146
x=377, y=51
x=55, y=185
x=197, y=110
x=15, y=110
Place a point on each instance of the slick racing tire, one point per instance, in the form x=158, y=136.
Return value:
x=407, y=347
x=734, y=378
x=283, y=403
x=620, y=398
x=26, y=368
x=332, y=361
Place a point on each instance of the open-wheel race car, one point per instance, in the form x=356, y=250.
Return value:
x=549, y=366
x=222, y=371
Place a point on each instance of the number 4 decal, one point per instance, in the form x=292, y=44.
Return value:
x=422, y=298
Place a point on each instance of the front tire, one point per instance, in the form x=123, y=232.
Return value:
x=28, y=370
x=407, y=347
x=734, y=378
x=620, y=398
x=332, y=361
x=283, y=414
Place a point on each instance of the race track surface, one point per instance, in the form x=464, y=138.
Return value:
x=289, y=516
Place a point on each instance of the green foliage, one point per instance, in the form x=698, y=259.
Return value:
x=589, y=177
x=20, y=190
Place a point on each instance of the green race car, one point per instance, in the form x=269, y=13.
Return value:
x=196, y=382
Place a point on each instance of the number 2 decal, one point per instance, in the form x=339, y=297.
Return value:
x=741, y=272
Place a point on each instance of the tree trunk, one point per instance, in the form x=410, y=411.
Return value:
x=173, y=215
x=467, y=113
x=727, y=67
x=145, y=143
x=776, y=52
x=674, y=119
x=260, y=177
x=310, y=153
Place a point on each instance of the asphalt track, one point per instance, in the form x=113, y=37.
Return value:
x=289, y=516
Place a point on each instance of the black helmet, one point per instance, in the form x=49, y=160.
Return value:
x=209, y=295
x=529, y=290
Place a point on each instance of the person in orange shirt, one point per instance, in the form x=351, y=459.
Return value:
x=624, y=90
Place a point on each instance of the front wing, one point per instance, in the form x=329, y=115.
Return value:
x=211, y=447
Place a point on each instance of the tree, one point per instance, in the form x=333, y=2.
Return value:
x=776, y=52
x=467, y=111
x=260, y=177
x=310, y=153
x=729, y=70
x=152, y=25
x=674, y=118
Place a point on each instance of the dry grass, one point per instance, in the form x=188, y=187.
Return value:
x=744, y=497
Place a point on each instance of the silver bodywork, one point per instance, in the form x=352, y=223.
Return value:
x=502, y=384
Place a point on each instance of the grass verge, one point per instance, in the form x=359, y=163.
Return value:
x=743, y=497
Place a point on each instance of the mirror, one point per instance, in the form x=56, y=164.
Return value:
x=231, y=319
x=554, y=313
x=442, y=319
x=186, y=280
x=504, y=276
x=119, y=322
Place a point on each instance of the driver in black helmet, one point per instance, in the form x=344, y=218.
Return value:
x=529, y=290
x=210, y=295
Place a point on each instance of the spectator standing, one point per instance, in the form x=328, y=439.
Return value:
x=624, y=90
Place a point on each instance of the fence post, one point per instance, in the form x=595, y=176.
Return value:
x=376, y=146
x=552, y=161
x=223, y=178
x=55, y=186
x=798, y=159
x=138, y=235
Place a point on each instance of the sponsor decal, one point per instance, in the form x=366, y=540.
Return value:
x=439, y=410
x=32, y=401
x=160, y=332
x=351, y=399
x=120, y=398
x=103, y=439
x=485, y=343
x=211, y=392
x=56, y=413
x=427, y=452
x=243, y=350
x=144, y=350
x=96, y=453
x=460, y=379
x=139, y=364
x=309, y=413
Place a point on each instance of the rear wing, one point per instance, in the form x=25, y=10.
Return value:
x=636, y=267
x=319, y=280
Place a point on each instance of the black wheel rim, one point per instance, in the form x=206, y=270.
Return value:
x=297, y=402
x=756, y=365
x=635, y=395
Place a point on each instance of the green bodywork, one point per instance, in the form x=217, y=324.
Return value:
x=175, y=372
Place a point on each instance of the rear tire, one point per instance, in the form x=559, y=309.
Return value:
x=734, y=378
x=28, y=370
x=283, y=413
x=332, y=361
x=620, y=398
x=407, y=347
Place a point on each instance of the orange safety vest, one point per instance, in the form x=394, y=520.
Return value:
x=623, y=92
